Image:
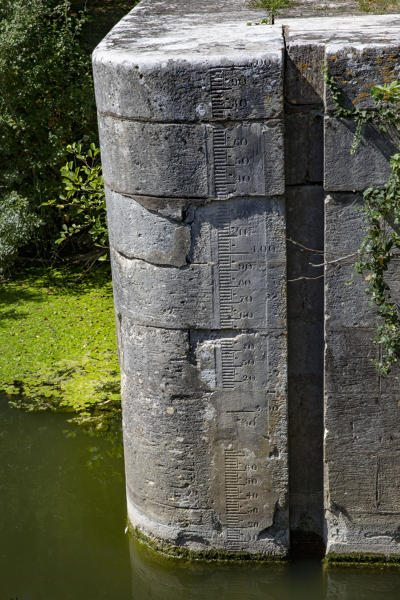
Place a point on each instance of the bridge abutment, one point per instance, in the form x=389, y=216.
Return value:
x=220, y=150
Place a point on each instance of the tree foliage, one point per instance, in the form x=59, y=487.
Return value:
x=46, y=97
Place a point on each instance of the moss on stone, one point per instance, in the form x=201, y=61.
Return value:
x=362, y=559
x=181, y=553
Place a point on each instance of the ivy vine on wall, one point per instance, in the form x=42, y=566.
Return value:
x=381, y=210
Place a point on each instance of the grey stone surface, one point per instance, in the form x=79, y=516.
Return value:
x=198, y=405
x=184, y=296
x=235, y=281
x=346, y=303
x=362, y=416
x=362, y=469
x=154, y=160
x=172, y=362
x=201, y=473
x=357, y=68
x=197, y=161
x=203, y=354
x=180, y=90
x=210, y=66
x=138, y=233
x=172, y=208
x=370, y=164
x=246, y=159
x=303, y=74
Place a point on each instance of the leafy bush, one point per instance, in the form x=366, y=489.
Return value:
x=17, y=224
x=46, y=96
x=82, y=206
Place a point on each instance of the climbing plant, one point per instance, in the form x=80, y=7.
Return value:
x=381, y=210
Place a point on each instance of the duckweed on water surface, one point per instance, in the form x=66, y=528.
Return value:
x=57, y=335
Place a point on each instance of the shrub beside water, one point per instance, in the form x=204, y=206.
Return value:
x=82, y=205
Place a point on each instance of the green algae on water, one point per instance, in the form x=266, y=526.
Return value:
x=57, y=334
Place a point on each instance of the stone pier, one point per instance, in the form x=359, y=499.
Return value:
x=221, y=155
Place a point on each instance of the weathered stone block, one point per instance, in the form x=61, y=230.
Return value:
x=198, y=405
x=356, y=68
x=194, y=298
x=172, y=208
x=208, y=68
x=250, y=448
x=152, y=159
x=362, y=417
x=175, y=361
x=246, y=362
x=139, y=233
x=157, y=361
x=347, y=304
x=247, y=159
x=252, y=227
x=181, y=91
x=192, y=160
x=236, y=279
x=178, y=448
x=362, y=470
x=369, y=165
x=358, y=56
x=184, y=297
x=162, y=437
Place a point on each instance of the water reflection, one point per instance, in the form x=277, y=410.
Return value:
x=177, y=580
x=363, y=583
x=62, y=522
x=62, y=514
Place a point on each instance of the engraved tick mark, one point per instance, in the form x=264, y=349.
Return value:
x=220, y=162
x=232, y=458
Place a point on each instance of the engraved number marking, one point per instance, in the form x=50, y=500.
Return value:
x=229, y=163
x=223, y=82
x=241, y=269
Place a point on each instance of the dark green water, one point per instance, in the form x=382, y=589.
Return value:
x=62, y=521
